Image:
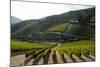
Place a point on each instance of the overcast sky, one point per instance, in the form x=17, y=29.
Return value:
x=32, y=10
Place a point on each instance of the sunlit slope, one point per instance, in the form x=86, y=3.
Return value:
x=61, y=27
x=77, y=29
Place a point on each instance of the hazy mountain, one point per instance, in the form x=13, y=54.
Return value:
x=15, y=20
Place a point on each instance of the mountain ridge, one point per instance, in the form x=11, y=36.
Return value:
x=15, y=20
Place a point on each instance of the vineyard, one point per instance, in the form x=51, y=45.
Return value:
x=67, y=36
x=68, y=52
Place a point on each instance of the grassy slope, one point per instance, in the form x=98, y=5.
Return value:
x=73, y=27
x=78, y=43
x=76, y=29
x=58, y=27
x=24, y=46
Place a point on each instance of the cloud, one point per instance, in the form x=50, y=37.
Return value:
x=32, y=10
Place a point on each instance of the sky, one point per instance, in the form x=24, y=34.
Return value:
x=32, y=10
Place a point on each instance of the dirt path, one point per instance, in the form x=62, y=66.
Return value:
x=58, y=57
x=92, y=57
x=18, y=60
x=30, y=62
x=50, y=60
x=57, y=45
x=76, y=58
x=86, y=58
x=67, y=58
x=40, y=61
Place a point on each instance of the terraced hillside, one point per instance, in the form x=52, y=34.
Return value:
x=78, y=51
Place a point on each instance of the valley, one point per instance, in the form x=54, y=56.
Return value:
x=64, y=38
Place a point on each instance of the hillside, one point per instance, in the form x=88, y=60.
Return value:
x=74, y=23
x=61, y=27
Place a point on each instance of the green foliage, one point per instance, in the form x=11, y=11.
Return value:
x=17, y=46
x=73, y=29
x=77, y=47
x=61, y=27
